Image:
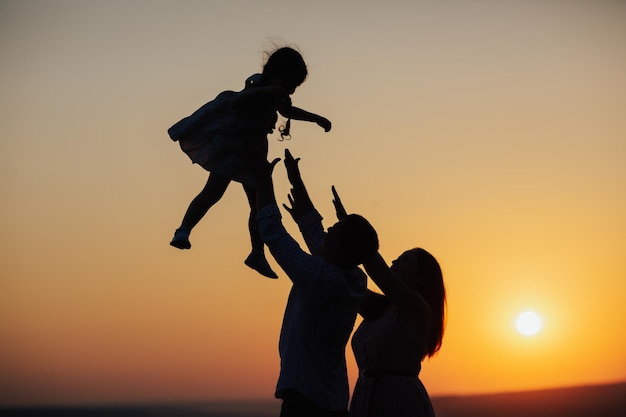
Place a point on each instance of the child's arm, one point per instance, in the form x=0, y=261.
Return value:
x=296, y=113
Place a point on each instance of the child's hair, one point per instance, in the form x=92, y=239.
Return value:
x=286, y=62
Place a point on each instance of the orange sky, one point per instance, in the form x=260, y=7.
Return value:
x=491, y=133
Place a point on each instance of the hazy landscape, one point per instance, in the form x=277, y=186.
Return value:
x=586, y=401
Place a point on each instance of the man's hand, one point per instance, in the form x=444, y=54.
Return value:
x=339, y=208
x=296, y=210
x=262, y=170
x=291, y=165
x=270, y=166
x=299, y=200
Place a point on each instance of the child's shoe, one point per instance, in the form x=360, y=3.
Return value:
x=181, y=239
x=256, y=260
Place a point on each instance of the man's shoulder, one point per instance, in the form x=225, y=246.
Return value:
x=350, y=283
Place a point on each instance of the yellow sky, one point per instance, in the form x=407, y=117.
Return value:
x=491, y=133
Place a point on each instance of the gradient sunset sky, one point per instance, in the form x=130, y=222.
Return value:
x=491, y=133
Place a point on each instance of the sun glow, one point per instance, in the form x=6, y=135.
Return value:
x=528, y=323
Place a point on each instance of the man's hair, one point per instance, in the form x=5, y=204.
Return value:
x=357, y=242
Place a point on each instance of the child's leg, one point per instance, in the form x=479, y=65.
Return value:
x=256, y=260
x=255, y=236
x=211, y=193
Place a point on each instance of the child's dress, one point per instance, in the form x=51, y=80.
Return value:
x=224, y=141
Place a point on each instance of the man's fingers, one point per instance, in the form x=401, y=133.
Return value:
x=274, y=162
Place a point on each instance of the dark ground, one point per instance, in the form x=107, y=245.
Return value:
x=587, y=401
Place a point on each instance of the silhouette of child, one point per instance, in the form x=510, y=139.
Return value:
x=229, y=133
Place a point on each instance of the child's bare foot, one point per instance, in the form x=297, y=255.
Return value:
x=256, y=260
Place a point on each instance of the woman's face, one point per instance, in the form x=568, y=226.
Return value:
x=407, y=268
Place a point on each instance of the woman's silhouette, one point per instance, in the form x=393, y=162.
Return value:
x=399, y=330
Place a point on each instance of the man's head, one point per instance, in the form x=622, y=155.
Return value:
x=350, y=242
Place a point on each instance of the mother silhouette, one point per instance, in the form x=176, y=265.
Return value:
x=399, y=330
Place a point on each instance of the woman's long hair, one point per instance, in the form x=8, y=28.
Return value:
x=431, y=287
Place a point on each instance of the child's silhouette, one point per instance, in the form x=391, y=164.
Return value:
x=230, y=132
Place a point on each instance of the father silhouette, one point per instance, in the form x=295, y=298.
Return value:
x=324, y=298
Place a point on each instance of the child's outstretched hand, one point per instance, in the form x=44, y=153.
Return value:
x=324, y=123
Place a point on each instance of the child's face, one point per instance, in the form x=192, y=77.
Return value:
x=285, y=82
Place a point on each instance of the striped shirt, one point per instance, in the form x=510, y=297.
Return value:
x=320, y=313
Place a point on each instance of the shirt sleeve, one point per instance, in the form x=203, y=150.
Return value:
x=310, y=226
x=301, y=267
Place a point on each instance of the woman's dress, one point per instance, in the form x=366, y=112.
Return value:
x=388, y=352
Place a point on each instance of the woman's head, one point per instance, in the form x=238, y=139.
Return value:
x=421, y=272
x=285, y=65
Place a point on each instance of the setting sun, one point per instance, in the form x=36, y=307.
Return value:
x=528, y=323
